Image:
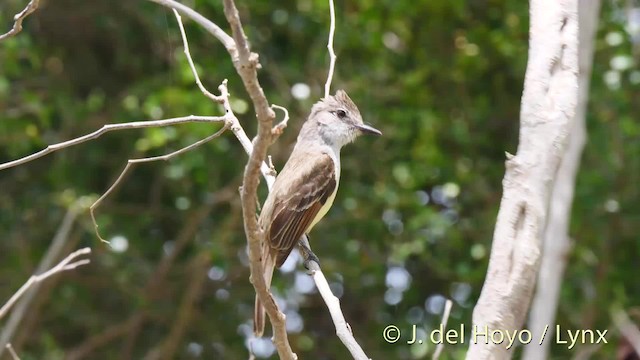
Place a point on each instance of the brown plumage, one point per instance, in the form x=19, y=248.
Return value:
x=294, y=212
x=305, y=188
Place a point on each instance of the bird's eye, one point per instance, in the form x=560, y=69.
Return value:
x=341, y=114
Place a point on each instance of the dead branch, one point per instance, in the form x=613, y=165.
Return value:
x=187, y=53
x=223, y=99
x=247, y=65
x=278, y=129
x=12, y=352
x=343, y=330
x=64, y=265
x=627, y=329
x=445, y=318
x=132, y=162
x=19, y=18
x=111, y=127
x=332, y=54
x=45, y=267
x=207, y=24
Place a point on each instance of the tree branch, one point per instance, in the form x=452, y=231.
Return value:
x=332, y=54
x=267, y=172
x=343, y=330
x=207, y=24
x=246, y=65
x=111, y=127
x=12, y=352
x=445, y=318
x=627, y=329
x=132, y=162
x=53, y=253
x=64, y=265
x=278, y=129
x=19, y=18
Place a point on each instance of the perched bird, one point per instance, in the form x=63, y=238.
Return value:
x=305, y=188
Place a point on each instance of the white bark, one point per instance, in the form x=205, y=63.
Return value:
x=547, y=111
x=557, y=243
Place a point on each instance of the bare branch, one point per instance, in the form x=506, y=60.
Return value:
x=223, y=98
x=58, y=244
x=64, y=265
x=207, y=24
x=332, y=54
x=445, y=319
x=187, y=53
x=132, y=162
x=246, y=66
x=267, y=172
x=343, y=330
x=277, y=130
x=628, y=329
x=12, y=352
x=111, y=127
x=19, y=18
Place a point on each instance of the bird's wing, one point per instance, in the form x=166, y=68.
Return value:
x=294, y=212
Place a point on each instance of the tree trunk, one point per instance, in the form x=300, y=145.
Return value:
x=547, y=111
x=556, y=237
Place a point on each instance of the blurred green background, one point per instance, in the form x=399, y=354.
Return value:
x=413, y=220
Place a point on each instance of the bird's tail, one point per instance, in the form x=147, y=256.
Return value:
x=259, y=315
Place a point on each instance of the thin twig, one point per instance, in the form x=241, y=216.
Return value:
x=132, y=162
x=278, y=129
x=332, y=54
x=12, y=352
x=64, y=265
x=207, y=24
x=628, y=329
x=58, y=244
x=223, y=98
x=111, y=127
x=445, y=319
x=19, y=18
x=268, y=173
x=187, y=53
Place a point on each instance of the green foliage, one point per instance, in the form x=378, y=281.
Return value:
x=414, y=216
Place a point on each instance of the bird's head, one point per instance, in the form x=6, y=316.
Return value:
x=338, y=120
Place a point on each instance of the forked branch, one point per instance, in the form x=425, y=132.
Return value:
x=68, y=263
x=19, y=18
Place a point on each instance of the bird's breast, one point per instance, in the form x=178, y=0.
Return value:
x=324, y=209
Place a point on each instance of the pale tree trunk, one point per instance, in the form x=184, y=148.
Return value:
x=557, y=244
x=547, y=111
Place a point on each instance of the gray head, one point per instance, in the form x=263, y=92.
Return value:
x=337, y=120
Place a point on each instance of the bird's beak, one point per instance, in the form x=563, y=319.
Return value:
x=366, y=129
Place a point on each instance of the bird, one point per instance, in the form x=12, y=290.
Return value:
x=304, y=191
